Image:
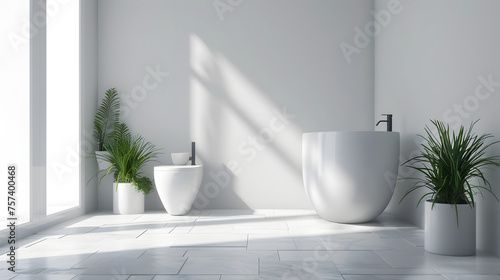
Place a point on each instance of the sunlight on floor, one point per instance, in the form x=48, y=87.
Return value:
x=236, y=244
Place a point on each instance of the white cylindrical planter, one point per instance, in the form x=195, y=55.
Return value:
x=102, y=164
x=442, y=236
x=127, y=200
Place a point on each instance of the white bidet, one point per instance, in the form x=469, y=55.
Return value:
x=177, y=186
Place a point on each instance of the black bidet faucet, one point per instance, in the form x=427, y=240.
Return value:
x=193, y=153
x=388, y=121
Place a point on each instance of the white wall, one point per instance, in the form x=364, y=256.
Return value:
x=88, y=62
x=232, y=78
x=429, y=63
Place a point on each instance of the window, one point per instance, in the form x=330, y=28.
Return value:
x=63, y=105
x=15, y=112
x=40, y=115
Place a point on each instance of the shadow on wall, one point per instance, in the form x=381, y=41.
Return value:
x=243, y=138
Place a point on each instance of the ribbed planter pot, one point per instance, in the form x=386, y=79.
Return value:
x=102, y=164
x=442, y=236
x=127, y=200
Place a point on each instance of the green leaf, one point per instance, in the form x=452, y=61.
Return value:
x=106, y=118
x=448, y=161
x=128, y=155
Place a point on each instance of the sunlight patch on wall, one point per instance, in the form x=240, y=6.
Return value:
x=240, y=130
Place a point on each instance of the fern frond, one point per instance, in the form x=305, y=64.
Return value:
x=106, y=118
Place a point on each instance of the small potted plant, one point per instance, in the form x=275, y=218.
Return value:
x=127, y=157
x=452, y=165
x=106, y=120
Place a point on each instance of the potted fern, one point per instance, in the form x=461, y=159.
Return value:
x=452, y=165
x=106, y=120
x=127, y=158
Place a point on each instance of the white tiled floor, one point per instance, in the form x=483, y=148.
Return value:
x=239, y=245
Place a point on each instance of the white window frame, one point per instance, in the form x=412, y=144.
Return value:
x=38, y=219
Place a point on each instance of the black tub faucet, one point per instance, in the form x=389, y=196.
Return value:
x=193, y=153
x=388, y=121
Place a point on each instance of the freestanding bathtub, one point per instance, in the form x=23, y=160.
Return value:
x=349, y=176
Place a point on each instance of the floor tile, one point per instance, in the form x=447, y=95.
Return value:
x=237, y=245
x=357, y=259
x=102, y=277
x=272, y=255
x=221, y=265
x=166, y=229
x=44, y=277
x=472, y=277
x=362, y=242
x=62, y=271
x=411, y=231
x=311, y=231
x=212, y=229
x=415, y=240
x=183, y=240
x=387, y=271
x=262, y=231
x=406, y=258
x=383, y=232
x=157, y=217
x=394, y=277
x=210, y=248
x=264, y=212
x=387, y=220
x=262, y=225
x=133, y=265
x=58, y=262
x=295, y=213
x=125, y=243
x=181, y=227
x=64, y=231
x=187, y=277
x=315, y=222
x=67, y=245
x=308, y=246
x=132, y=228
x=100, y=257
x=318, y=255
x=141, y=277
x=270, y=242
x=19, y=271
x=479, y=264
x=163, y=252
x=228, y=220
x=7, y=274
x=230, y=212
x=298, y=270
x=242, y=277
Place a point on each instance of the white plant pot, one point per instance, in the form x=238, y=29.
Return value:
x=127, y=200
x=442, y=236
x=102, y=164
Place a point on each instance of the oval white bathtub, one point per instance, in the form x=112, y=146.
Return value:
x=349, y=176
